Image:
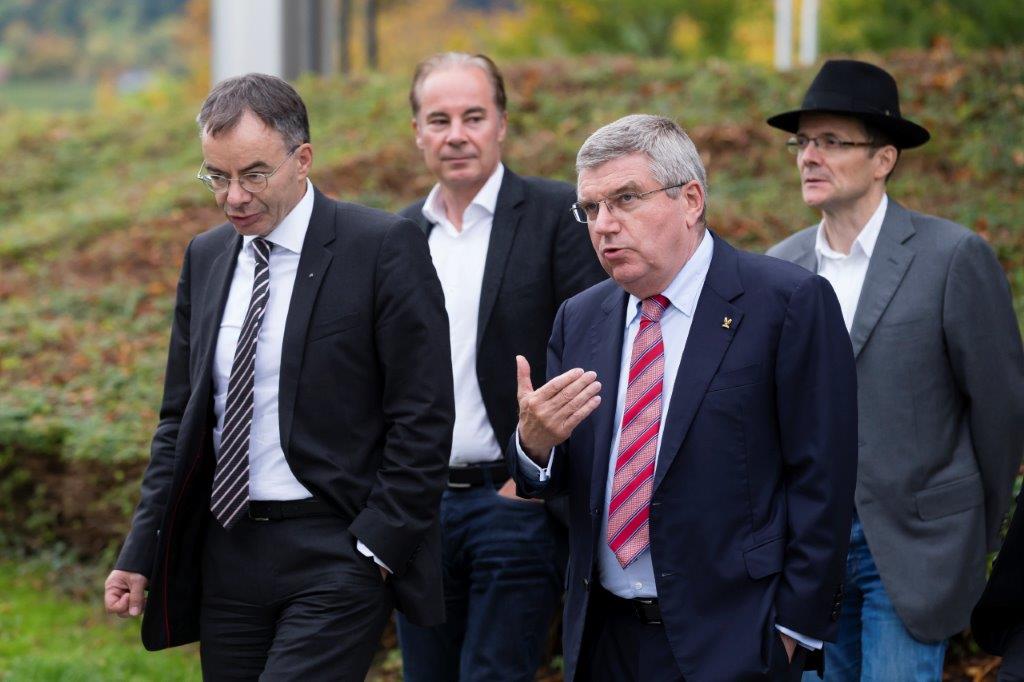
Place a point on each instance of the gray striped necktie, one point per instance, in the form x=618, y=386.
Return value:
x=230, y=495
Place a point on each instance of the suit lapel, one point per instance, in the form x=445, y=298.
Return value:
x=222, y=272
x=889, y=262
x=606, y=339
x=313, y=263
x=507, y=213
x=806, y=257
x=705, y=347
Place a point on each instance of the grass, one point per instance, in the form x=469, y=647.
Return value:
x=47, y=635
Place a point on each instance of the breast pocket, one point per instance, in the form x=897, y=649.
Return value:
x=333, y=326
x=743, y=376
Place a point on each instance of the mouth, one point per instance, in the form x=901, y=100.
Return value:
x=457, y=159
x=243, y=221
x=813, y=181
x=613, y=252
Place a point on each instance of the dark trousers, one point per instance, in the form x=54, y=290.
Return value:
x=502, y=583
x=618, y=647
x=289, y=599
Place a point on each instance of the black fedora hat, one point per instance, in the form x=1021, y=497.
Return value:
x=861, y=90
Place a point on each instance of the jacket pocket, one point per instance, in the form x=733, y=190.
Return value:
x=950, y=498
x=735, y=378
x=322, y=329
x=764, y=559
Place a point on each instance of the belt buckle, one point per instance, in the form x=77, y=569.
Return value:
x=452, y=484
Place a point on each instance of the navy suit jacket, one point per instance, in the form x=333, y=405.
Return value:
x=753, y=492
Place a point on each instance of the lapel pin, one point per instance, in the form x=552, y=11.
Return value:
x=726, y=323
x=311, y=275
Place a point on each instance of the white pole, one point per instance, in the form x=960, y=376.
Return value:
x=808, y=32
x=246, y=36
x=783, y=34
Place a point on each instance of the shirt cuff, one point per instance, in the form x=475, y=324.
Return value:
x=530, y=468
x=365, y=551
x=803, y=640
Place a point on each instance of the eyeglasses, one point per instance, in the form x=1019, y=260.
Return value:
x=586, y=211
x=253, y=183
x=825, y=143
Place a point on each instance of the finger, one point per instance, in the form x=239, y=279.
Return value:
x=572, y=390
x=574, y=419
x=523, y=377
x=580, y=399
x=136, y=598
x=556, y=385
x=114, y=601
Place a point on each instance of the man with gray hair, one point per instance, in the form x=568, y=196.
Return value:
x=701, y=414
x=507, y=252
x=293, y=487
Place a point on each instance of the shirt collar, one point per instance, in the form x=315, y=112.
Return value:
x=684, y=290
x=290, y=233
x=865, y=240
x=486, y=198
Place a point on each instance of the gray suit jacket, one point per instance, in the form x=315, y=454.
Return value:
x=940, y=391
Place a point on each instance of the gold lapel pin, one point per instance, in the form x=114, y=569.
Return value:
x=726, y=323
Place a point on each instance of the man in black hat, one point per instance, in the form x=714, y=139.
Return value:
x=940, y=375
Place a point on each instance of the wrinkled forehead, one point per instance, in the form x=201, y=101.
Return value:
x=629, y=173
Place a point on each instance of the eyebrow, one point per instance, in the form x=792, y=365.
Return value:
x=628, y=187
x=248, y=169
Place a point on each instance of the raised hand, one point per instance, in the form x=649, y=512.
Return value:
x=549, y=414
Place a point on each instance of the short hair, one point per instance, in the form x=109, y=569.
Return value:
x=448, y=60
x=880, y=138
x=672, y=154
x=271, y=99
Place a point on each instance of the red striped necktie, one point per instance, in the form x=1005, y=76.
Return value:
x=633, y=483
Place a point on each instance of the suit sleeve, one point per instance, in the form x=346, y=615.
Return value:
x=411, y=330
x=139, y=550
x=1000, y=611
x=574, y=264
x=557, y=481
x=816, y=393
x=984, y=346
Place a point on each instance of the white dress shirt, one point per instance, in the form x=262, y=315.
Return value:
x=637, y=579
x=270, y=477
x=846, y=272
x=459, y=258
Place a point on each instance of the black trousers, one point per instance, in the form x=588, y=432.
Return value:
x=617, y=647
x=289, y=599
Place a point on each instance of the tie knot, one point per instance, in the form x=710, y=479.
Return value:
x=652, y=308
x=262, y=247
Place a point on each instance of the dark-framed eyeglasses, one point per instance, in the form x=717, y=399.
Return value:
x=586, y=211
x=827, y=143
x=253, y=182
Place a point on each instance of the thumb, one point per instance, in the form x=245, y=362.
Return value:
x=523, y=377
x=136, y=597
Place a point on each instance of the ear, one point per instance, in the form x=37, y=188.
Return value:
x=885, y=161
x=692, y=197
x=502, y=126
x=416, y=133
x=304, y=154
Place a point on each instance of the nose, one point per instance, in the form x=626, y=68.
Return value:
x=456, y=133
x=604, y=222
x=809, y=155
x=236, y=196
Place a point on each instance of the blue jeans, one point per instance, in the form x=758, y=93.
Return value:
x=873, y=644
x=503, y=566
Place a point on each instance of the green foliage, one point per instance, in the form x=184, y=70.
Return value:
x=48, y=636
x=886, y=24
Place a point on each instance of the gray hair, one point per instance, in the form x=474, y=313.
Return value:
x=269, y=98
x=449, y=60
x=672, y=154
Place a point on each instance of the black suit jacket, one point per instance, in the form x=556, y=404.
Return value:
x=365, y=406
x=537, y=257
x=997, y=621
x=753, y=489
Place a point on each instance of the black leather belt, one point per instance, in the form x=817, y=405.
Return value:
x=646, y=610
x=268, y=510
x=478, y=475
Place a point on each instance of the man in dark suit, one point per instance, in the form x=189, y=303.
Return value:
x=507, y=252
x=710, y=489
x=997, y=621
x=292, y=494
x=940, y=379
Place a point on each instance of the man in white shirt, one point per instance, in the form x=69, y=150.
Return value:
x=940, y=380
x=507, y=252
x=295, y=475
x=700, y=414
